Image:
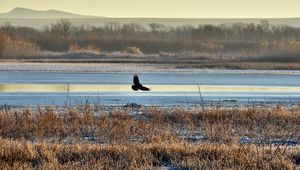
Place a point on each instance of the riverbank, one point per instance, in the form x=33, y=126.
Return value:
x=138, y=68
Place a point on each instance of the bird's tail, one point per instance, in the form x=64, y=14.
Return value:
x=134, y=87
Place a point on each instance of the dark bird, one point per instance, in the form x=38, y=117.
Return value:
x=137, y=85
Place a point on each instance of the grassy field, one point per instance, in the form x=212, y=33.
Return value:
x=150, y=137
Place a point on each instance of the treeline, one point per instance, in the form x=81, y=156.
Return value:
x=237, y=37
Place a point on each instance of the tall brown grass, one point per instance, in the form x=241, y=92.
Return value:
x=11, y=48
x=148, y=155
x=90, y=137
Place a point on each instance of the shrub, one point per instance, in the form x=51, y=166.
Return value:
x=133, y=50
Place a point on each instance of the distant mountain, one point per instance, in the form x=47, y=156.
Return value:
x=37, y=19
x=29, y=13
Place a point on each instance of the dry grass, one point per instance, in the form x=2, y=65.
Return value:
x=92, y=137
x=146, y=155
x=12, y=48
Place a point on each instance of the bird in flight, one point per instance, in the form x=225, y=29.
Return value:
x=137, y=85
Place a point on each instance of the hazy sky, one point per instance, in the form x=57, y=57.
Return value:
x=166, y=8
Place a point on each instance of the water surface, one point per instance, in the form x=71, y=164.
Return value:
x=184, y=89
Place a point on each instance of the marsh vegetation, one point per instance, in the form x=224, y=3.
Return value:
x=94, y=136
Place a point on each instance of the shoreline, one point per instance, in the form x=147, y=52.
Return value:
x=127, y=68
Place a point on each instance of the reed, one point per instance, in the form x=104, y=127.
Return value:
x=90, y=137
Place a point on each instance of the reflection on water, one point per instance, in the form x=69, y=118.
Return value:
x=127, y=88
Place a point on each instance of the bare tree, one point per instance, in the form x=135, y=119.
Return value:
x=63, y=27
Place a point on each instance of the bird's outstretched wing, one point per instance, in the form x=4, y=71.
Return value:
x=136, y=80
